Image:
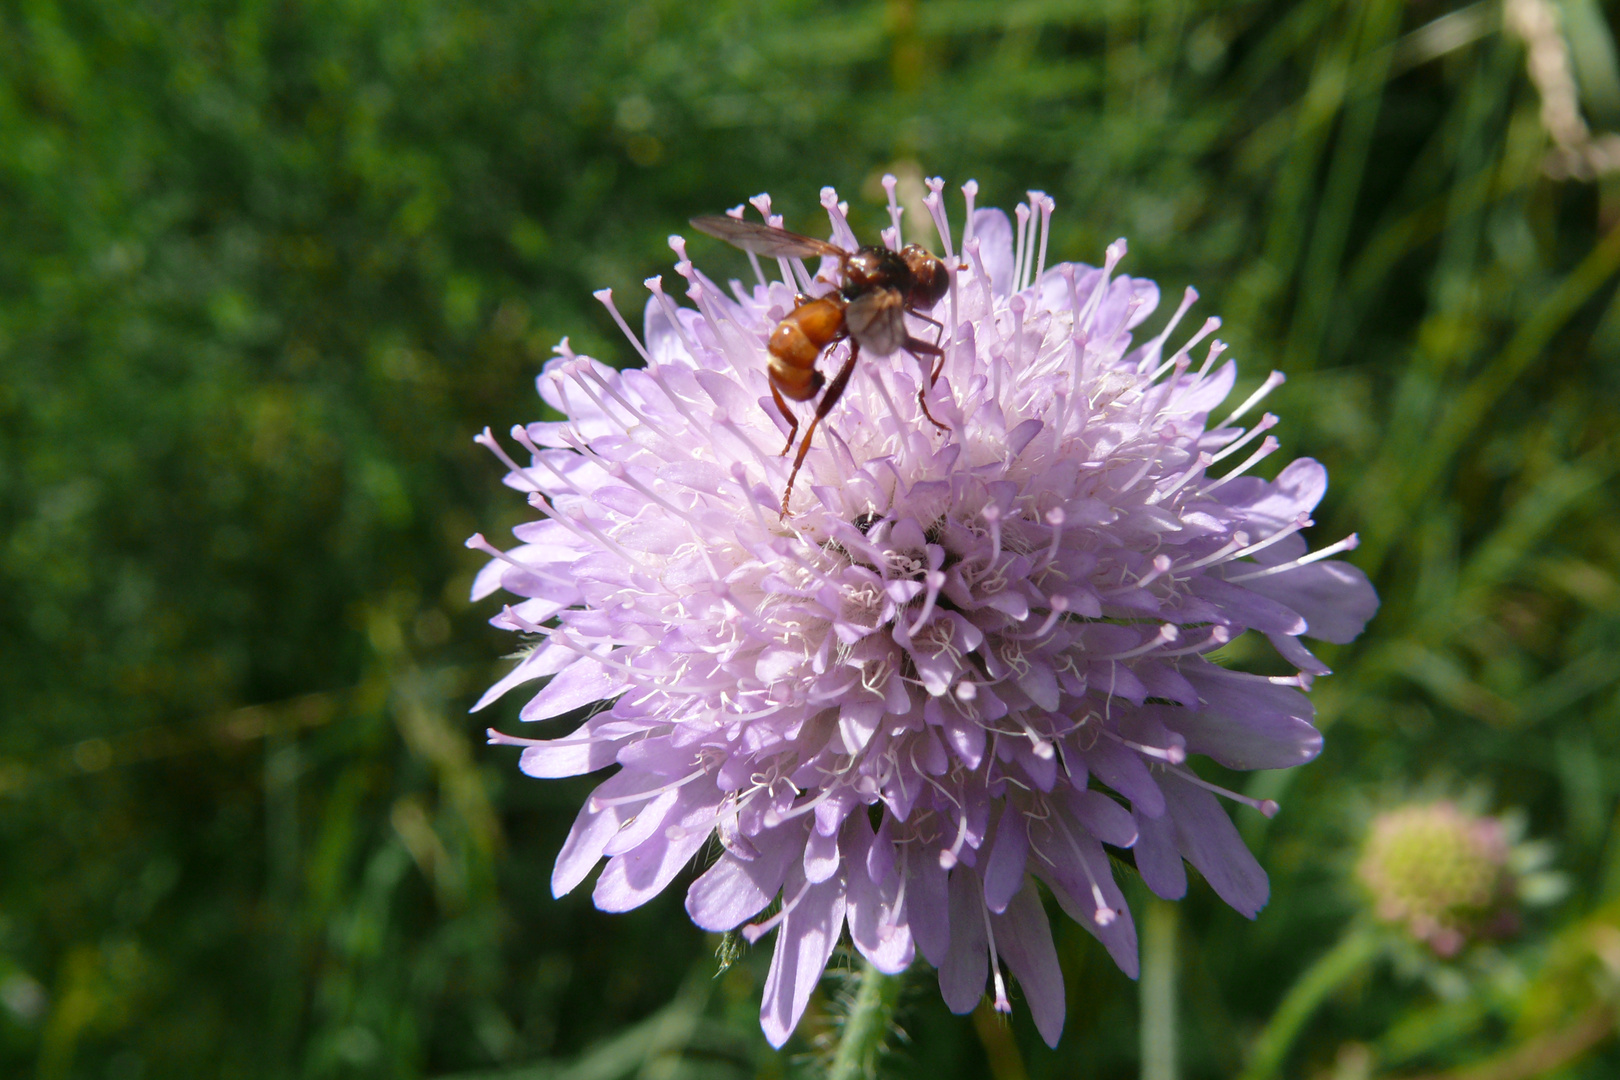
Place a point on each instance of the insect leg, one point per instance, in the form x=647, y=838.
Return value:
x=930, y=322
x=787, y=413
x=919, y=348
x=835, y=390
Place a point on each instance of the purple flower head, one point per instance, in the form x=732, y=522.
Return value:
x=964, y=662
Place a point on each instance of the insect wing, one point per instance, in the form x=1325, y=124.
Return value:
x=877, y=319
x=761, y=239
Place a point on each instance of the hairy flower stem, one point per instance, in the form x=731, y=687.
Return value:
x=1000, y=1048
x=1158, y=991
x=1332, y=970
x=867, y=1026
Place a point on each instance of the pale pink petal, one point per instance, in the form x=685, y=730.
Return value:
x=804, y=942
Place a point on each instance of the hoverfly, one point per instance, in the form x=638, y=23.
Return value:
x=878, y=289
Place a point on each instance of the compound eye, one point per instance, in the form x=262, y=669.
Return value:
x=929, y=279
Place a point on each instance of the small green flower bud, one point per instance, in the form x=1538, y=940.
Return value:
x=1437, y=871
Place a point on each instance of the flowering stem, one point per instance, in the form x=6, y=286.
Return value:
x=867, y=1025
x=1000, y=1049
x=1332, y=970
x=1158, y=991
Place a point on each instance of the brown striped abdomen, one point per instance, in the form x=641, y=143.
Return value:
x=797, y=341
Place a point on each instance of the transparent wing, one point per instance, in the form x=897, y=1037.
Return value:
x=877, y=320
x=761, y=239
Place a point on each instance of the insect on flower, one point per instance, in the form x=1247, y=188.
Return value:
x=975, y=663
x=878, y=289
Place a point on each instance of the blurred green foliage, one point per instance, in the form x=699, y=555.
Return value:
x=266, y=267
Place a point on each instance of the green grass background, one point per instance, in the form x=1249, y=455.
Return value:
x=266, y=266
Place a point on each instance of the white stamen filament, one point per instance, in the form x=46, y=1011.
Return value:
x=1268, y=445
x=739, y=475
x=754, y=931
x=1028, y=254
x=675, y=399
x=606, y=296
x=1002, y=1004
x=935, y=581
x=1161, y=566
x=528, y=626
x=1349, y=543
x=1268, y=807
x=895, y=209
x=598, y=804
x=617, y=470
x=683, y=265
x=1111, y=258
x=1216, y=348
x=1221, y=554
x=1211, y=324
x=843, y=235
x=549, y=465
x=1058, y=606
x=759, y=271
x=666, y=304
x=1067, y=271
x=1274, y=380
x=1046, y=205
x=477, y=543
x=1156, y=346
x=576, y=521
x=1267, y=422
x=1175, y=753
x=948, y=857
x=891, y=914
x=771, y=463
x=1200, y=463
x=562, y=637
x=902, y=427
x=1168, y=634
x=1017, y=306
x=762, y=203
x=774, y=818
x=1218, y=636
x=801, y=276
x=1021, y=212
x=1141, y=473
x=1055, y=518
x=575, y=371
x=1040, y=744
x=487, y=440
x=934, y=203
x=608, y=388
x=1104, y=915
x=992, y=517
x=1178, y=361
x=970, y=191
x=1301, y=521
x=784, y=265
